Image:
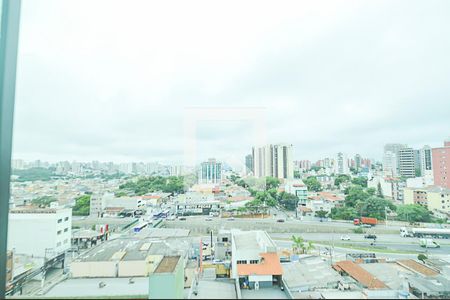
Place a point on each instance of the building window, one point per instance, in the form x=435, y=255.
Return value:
x=66, y=229
x=59, y=232
x=59, y=220
x=254, y=261
x=241, y=262
x=66, y=219
x=224, y=239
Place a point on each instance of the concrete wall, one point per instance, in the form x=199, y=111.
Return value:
x=94, y=269
x=435, y=200
x=132, y=268
x=167, y=285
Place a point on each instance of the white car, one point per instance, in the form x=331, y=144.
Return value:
x=345, y=238
x=208, y=219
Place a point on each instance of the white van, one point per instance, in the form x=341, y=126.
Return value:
x=429, y=243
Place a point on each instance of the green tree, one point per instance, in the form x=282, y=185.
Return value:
x=309, y=247
x=144, y=185
x=82, y=206
x=379, y=190
x=413, y=213
x=343, y=213
x=288, y=201
x=313, y=184
x=315, y=168
x=272, y=183
x=34, y=174
x=254, y=206
x=371, y=192
x=43, y=201
x=362, y=181
x=267, y=198
x=355, y=194
x=298, y=244
x=296, y=174
x=341, y=179
x=422, y=257
x=375, y=207
x=321, y=214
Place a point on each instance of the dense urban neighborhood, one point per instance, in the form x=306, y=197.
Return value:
x=343, y=226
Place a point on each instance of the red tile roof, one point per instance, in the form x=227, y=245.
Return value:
x=270, y=265
x=151, y=197
x=417, y=267
x=359, y=274
x=326, y=196
x=240, y=198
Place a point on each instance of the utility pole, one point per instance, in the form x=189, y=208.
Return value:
x=385, y=216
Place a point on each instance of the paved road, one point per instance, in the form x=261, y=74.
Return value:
x=386, y=242
x=198, y=224
x=390, y=242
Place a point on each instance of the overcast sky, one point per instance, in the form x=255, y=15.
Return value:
x=113, y=80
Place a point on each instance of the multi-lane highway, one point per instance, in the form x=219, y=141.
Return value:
x=323, y=234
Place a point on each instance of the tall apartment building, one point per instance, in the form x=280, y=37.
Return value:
x=210, y=172
x=274, y=161
x=341, y=166
x=358, y=161
x=441, y=165
x=41, y=232
x=407, y=162
x=391, y=150
x=426, y=164
x=248, y=164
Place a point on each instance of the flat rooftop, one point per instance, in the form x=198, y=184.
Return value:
x=134, y=248
x=389, y=273
x=264, y=293
x=215, y=289
x=309, y=272
x=114, y=287
x=253, y=242
x=167, y=264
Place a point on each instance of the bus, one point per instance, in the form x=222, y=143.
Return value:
x=161, y=214
x=140, y=226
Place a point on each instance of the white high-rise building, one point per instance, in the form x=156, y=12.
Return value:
x=395, y=149
x=210, y=172
x=407, y=164
x=341, y=165
x=426, y=161
x=274, y=161
x=390, y=164
x=17, y=164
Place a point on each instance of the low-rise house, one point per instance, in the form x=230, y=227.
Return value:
x=255, y=262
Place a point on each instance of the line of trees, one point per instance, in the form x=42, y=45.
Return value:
x=144, y=185
x=361, y=201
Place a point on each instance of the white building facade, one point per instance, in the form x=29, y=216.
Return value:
x=40, y=232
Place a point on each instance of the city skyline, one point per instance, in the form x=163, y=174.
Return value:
x=119, y=90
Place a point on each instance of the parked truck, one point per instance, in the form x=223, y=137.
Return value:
x=440, y=233
x=365, y=221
